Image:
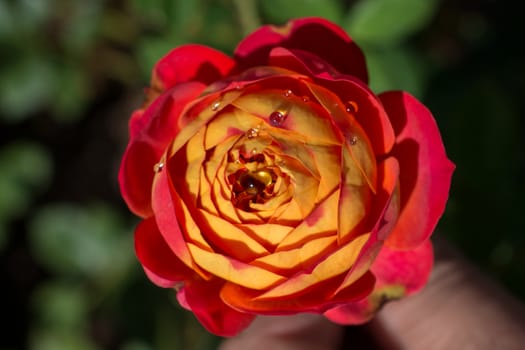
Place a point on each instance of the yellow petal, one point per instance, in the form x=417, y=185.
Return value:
x=354, y=202
x=200, y=113
x=231, y=239
x=303, y=118
x=301, y=257
x=232, y=270
x=357, y=143
x=230, y=122
x=267, y=234
x=335, y=264
x=321, y=222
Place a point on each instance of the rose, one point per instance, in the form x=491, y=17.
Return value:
x=277, y=182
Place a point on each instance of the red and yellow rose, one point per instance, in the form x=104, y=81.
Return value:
x=277, y=182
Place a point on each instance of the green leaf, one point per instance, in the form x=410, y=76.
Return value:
x=153, y=11
x=136, y=345
x=82, y=241
x=220, y=21
x=26, y=170
x=386, y=22
x=25, y=87
x=6, y=20
x=81, y=24
x=396, y=69
x=71, y=93
x=280, y=11
x=44, y=339
x=61, y=305
x=185, y=18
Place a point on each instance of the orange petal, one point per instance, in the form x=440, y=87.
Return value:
x=235, y=271
x=301, y=257
x=321, y=222
x=335, y=264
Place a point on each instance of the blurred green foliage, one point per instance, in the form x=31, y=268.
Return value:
x=70, y=74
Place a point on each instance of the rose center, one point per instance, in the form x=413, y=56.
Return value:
x=252, y=187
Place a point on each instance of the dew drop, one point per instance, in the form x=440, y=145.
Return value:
x=158, y=167
x=238, y=87
x=251, y=133
x=277, y=118
x=351, y=107
x=254, y=151
x=353, y=140
x=306, y=99
x=215, y=106
x=288, y=93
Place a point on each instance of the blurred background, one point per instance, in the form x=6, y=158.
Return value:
x=71, y=71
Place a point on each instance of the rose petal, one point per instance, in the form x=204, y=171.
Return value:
x=160, y=263
x=302, y=118
x=229, y=239
x=369, y=110
x=321, y=222
x=336, y=263
x=190, y=63
x=383, y=215
x=299, y=258
x=234, y=270
x=356, y=141
x=398, y=274
x=220, y=319
x=269, y=235
x=318, y=298
x=425, y=169
x=314, y=35
x=168, y=216
x=150, y=134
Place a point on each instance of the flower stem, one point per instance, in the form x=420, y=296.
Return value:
x=248, y=15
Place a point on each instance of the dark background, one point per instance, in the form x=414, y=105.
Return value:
x=71, y=71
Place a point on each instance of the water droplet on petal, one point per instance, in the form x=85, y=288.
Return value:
x=254, y=151
x=351, y=107
x=277, y=118
x=353, y=140
x=306, y=99
x=215, y=106
x=251, y=133
x=238, y=87
x=158, y=167
x=288, y=93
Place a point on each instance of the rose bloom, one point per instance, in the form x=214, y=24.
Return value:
x=276, y=182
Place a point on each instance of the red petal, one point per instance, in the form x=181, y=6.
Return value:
x=398, y=273
x=161, y=265
x=168, y=218
x=409, y=268
x=203, y=299
x=150, y=133
x=314, y=35
x=425, y=170
x=190, y=63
